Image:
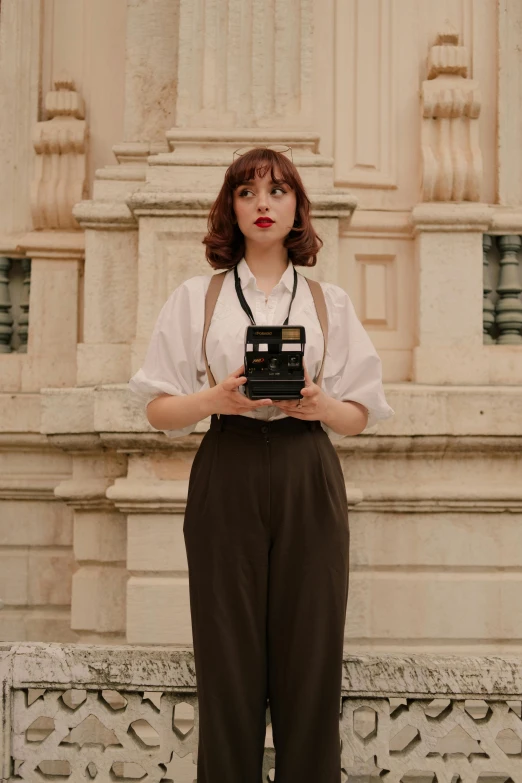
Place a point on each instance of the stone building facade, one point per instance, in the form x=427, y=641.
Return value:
x=118, y=120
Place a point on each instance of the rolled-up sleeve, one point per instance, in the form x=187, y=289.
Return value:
x=353, y=369
x=173, y=362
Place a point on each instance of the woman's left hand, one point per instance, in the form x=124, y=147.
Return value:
x=314, y=404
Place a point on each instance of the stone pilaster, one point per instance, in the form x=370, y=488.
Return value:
x=99, y=582
x=20, y=52
x=509, y=103
x=150, y=69
x=448, y=241
x=54, y=308
x=245, y=64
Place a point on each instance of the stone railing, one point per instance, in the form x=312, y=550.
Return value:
x=14, y=304
x=502, y=289
x=127, y=713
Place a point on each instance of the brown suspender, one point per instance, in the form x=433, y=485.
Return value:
x=211, y=298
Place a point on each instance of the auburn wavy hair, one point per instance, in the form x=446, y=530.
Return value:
x=225, y=242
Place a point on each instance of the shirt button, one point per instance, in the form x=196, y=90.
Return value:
x=264, y=428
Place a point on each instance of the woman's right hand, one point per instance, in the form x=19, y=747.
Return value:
x=227, y=398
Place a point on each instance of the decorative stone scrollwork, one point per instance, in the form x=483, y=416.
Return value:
x=451, y=156
x=60, y=144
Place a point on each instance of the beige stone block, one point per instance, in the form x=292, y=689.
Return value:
x=113, y=185
x=118, y=410
x=14, y=577
x=36, y=462
x=20, y=412
x=103, y=363
x=49, y=577
x=11, y=375
x=100, y=536
x=449, y=540
x=174, y=465
x=98, y=599
x=56, y=370
x=67, y=410
x=436, y=364
x=156, y=543
x=12, y=627
x=434, y=607
x=457, y=410
x=51, y=350
x=50, y=627
x=35, y=523
x=158, y=611
x=110, y=288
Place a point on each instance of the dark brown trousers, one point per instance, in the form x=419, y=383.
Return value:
x=267, y=540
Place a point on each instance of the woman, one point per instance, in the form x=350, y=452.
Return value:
x=266, y=525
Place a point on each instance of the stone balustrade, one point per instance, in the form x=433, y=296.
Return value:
x=502, y=307
x=131, y=713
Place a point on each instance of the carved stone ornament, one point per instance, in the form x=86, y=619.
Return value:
x=60, y=144
x=451, y=156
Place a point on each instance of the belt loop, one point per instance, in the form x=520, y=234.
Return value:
x=221, y=421
x=312, y=425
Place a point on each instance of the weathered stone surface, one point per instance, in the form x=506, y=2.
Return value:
x=153, y=691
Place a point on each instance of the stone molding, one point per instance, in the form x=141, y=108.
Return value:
x=39, y=665
x=162, y=203
x=426, y=216
x=104, y=215
x=446, y=217
x=135, y=496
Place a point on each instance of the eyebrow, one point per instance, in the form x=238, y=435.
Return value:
x=251, y=182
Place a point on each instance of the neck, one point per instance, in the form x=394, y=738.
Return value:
x=267, y=264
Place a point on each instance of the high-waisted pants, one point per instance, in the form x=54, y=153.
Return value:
x=267, y=541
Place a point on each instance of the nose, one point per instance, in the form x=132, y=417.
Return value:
x=262, y=203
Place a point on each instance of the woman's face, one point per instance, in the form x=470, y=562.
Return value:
x=265, y=211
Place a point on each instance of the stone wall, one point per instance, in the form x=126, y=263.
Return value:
x=403, y=119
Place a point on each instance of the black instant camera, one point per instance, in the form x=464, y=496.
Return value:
x=274, y=374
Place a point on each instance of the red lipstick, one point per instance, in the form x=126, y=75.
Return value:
x=264, y=221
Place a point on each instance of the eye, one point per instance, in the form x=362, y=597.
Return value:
x=242, y=193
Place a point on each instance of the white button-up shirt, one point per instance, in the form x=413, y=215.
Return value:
x=174, y=360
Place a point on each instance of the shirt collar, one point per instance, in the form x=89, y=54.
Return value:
x=246, y=275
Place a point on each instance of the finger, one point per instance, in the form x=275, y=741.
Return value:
x=308, y=380
x=232, y=383
x=239, y=371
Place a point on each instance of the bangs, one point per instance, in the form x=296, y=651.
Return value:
x=257, y=163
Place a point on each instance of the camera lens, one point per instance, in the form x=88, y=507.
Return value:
x=293, y=361
x=274, y=363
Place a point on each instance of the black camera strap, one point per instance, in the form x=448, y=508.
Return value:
x=244, y=303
